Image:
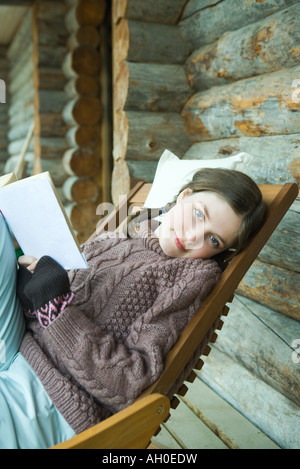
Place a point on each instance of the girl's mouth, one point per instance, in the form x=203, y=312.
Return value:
x=178, y=243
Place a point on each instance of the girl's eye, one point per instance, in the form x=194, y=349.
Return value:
x=199, y=214
x=215, y=242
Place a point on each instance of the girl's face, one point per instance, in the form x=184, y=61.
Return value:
x=200, y=225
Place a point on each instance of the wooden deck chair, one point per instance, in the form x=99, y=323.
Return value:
x=278, y=198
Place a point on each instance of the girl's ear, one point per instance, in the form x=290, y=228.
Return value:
x=183, y=194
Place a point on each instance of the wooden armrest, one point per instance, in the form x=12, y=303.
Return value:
x=131, y=428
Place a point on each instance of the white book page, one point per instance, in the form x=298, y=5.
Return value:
x=35, y=216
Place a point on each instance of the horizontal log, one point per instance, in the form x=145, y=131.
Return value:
x=22, y=75
x=273, y=287
x=269, y=410
x=145, y=135
x=82, y=60
x=193, y=6
x=262, y=47
x=23, y=113
x=80, y=189
x=3, y=118
x=15, y=147
x=151, y=87
x=55, y=168
x=3, y=52
x=52, y=125
x=22, y=39
x=21, y=98
x=3, y=115
x=3, y=131
x=13, y=162
x=51, y=56
x=142, y=170
x=81, y=162
x=51, y=78
x=139, y=41
x=286, y=238
x=82, y=85
x=50, y=10
x=85, y=12
x=203, y=26
x=3, y=150
x=52, y=101
x=83, y=136
x=84, y=35
x=52, y=31
x=82, y=215
x=266, y=348
x=156, y=11
x=82, y=111
x=20, y=65
x=18, y=131
x=275, y=159
x=247, y=107
x=52, y=147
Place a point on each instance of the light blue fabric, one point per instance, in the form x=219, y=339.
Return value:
x=28, y=418
x=12, y=324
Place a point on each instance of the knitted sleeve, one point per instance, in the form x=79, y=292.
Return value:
x=116, y=373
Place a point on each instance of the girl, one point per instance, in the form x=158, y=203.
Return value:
x=97, y=338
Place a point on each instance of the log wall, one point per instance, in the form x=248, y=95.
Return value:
x=50, y=37
x=83, y=114
x=56, y=84
x=36, y=90
x=21, y=92
x=243, y=69
x=240, y=91
x=149, y=87
x=3, y=107
x=246, y=99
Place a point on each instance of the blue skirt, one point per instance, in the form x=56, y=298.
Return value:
x=28, y=418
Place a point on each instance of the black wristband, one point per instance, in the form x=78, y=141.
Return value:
x=49, y=281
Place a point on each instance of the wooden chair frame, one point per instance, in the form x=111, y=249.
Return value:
x=278, y=199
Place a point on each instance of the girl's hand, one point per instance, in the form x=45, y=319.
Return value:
x=28, y=261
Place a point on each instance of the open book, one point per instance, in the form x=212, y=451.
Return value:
x=37, y=219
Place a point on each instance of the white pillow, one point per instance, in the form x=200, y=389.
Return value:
x=172, y=174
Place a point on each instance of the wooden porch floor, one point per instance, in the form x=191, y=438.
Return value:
x=203, y=420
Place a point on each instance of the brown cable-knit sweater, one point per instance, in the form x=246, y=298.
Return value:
x=110, y=343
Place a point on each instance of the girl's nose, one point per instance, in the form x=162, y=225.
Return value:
x=191, y=236
x=194, y=238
